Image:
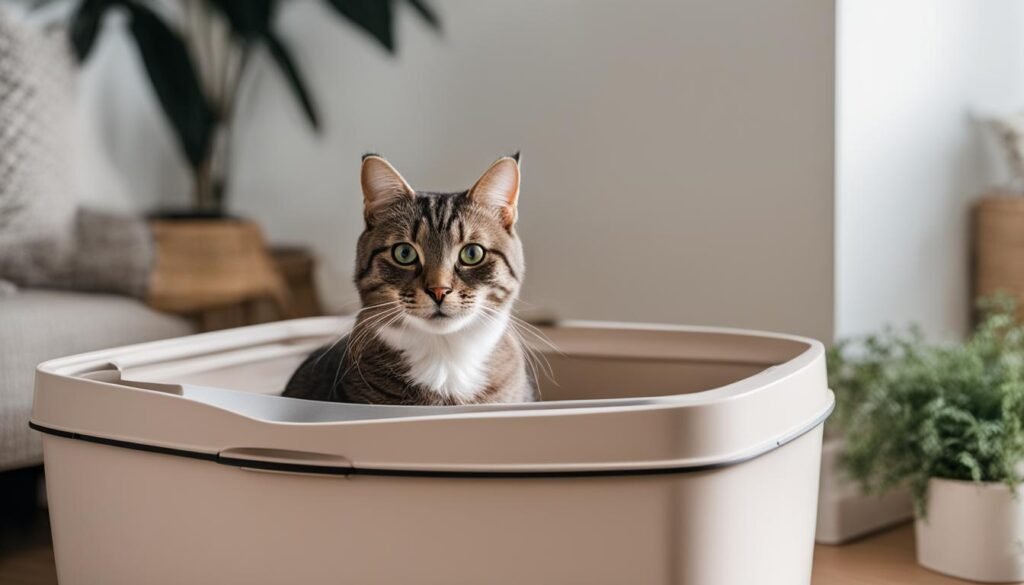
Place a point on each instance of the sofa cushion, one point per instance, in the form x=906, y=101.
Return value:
x=37, y=325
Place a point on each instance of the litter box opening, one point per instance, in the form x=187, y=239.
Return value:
x=602, y=362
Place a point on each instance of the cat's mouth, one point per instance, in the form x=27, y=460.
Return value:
x=439, y=313
x=439, y=321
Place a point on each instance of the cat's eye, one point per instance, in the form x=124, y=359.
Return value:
x=404, y=254
x=471, y=254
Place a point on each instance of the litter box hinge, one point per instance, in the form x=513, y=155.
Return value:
x=285, y=461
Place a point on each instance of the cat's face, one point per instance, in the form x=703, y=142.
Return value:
x=438, y=262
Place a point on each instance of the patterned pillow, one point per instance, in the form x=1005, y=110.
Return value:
x=36, y=81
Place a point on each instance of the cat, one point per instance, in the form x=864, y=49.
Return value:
x=437, y=275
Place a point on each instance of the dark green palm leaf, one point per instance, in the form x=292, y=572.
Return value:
x=284, y=60
x=174, y=80
x=85, y=24
x=249, y=19
x=426, y=12
x=376, y=17
x=373, y=16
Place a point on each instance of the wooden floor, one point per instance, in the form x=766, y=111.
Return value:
x=30, y=561
x=884, y=559
x=26, y=556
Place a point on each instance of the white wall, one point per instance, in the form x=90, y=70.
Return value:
x=910, y=159
x=677, y=155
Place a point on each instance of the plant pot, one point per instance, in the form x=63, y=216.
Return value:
x=204, y=264
x=972, y=531
x=999, y=247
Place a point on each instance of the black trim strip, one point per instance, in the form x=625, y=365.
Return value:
x=346, y=471
x=124, y=444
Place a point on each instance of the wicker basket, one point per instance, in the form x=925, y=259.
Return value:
x=208, y=264
x=999, y=246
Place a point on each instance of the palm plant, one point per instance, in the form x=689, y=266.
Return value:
x=195, y=63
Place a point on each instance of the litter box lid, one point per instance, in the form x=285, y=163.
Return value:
x=669, y=399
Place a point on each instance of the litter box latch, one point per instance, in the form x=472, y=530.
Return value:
x=284, y=461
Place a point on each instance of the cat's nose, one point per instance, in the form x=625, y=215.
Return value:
x=439, y=292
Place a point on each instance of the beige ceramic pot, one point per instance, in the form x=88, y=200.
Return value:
x=972, y=531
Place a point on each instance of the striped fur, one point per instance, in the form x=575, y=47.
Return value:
x=435, y=331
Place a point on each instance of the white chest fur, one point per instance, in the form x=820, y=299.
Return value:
x=452, y=364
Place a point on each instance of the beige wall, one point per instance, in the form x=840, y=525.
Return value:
x=677, y=155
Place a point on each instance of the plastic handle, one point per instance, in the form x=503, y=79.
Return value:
x=285, y=460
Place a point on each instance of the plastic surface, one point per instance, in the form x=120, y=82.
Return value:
x=663, y=455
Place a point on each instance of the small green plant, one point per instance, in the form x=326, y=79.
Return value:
x=857, y=365
x=917, y=411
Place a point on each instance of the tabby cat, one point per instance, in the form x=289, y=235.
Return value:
x=437, y=275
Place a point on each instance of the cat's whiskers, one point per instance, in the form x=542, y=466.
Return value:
x=341, y=337
x=537, y=333
x=384, y=326
x=535, y=355
x=367, y=327
x=365, y=324
x=529, y=354
x=518, y=339
x=376, y=325
x=354, y=348
x=521, y=326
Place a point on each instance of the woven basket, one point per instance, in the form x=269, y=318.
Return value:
x=209, y=264
x=999, y=247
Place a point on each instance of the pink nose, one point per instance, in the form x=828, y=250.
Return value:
x=439, y=292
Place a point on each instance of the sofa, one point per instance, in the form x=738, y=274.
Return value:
x=37, y=325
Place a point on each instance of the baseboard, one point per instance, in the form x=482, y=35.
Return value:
x=844, y=511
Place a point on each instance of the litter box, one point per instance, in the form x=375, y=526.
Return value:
x=664, y=455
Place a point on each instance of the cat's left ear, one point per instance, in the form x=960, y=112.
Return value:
x=498, y=187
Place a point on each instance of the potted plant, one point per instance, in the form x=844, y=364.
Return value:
x=196, y=68
x=947, y=422
x=195, y=60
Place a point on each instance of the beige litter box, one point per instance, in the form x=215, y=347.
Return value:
x=664, y=455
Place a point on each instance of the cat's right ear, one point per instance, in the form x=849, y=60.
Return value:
x=382, y=185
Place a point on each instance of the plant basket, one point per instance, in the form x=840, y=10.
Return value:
x=999, y=247
x=209, y=264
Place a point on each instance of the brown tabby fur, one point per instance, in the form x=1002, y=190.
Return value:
x=407, y=346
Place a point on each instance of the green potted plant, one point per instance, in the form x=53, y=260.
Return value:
x=195, y=54
x=196, y=59
x=947, y=421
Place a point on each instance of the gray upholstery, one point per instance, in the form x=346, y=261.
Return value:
x=36, y=325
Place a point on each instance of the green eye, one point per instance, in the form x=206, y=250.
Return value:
x=404, y=254
x=471, y=254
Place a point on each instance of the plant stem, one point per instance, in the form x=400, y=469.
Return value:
x=204, y=192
